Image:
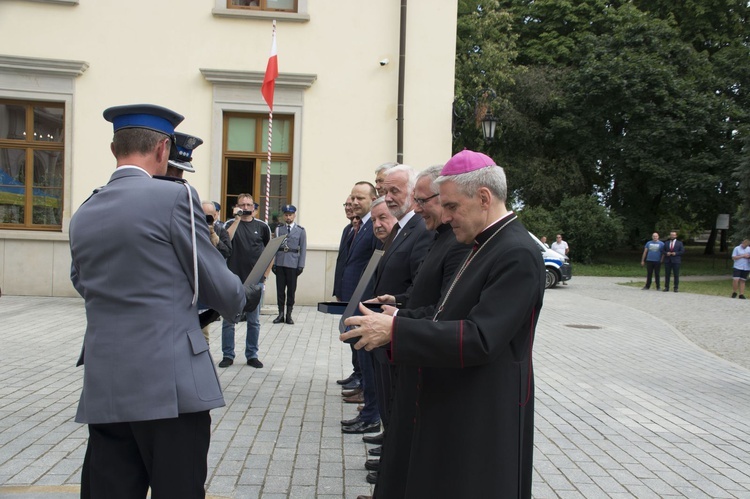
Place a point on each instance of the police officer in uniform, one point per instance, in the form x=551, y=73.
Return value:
x=290, y=261
x=148, y=379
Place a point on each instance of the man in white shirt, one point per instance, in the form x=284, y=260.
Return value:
x=741, y=257
x=561, y=247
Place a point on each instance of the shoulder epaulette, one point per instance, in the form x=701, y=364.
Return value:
x=95, y=191
x=171, y=179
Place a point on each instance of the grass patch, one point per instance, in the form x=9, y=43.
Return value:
x=717, y=287
x=627, y=263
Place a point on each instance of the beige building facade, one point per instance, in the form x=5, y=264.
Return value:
x=62, y=62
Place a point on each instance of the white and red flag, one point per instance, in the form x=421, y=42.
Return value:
x=272, y=72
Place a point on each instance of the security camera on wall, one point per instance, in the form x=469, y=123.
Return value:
x=385, y=61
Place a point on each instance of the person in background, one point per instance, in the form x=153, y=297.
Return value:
x=652, y=257
x=561, y=247
x=380, y=172
x=249, y=237
x=543, y=239
x=741, y=268
x=673, y=250
x=290, y=262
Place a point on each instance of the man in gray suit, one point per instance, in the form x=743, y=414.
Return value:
x=141, y=259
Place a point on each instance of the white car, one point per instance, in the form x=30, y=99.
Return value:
x=557, y=266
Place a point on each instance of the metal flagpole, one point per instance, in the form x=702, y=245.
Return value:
x=270, y=129
x=268, y=167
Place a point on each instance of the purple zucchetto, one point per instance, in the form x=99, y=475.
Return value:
x=466, y=161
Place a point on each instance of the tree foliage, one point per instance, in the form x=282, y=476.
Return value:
x=586, y=225
x=640, y=105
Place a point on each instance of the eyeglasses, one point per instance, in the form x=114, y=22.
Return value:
x=421, y=202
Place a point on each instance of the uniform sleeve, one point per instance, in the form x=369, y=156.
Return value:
x=218, y=287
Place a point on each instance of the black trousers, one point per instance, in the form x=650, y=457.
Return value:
x=286, y=283
x=652, y=268
x=169, y=455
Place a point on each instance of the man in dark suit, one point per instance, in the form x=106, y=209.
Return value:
x=404, y=251
x=352, y=381
x=346, y=239
x=148, y=380
x=362, y=246
x=673, y=250
x=433, y=278
x=473, y=348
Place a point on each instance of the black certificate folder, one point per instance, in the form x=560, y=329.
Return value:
x=339, y=307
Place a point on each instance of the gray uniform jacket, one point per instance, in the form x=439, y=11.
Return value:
x=145, y=355
x=296, y=242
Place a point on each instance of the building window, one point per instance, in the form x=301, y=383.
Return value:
x=32, y=153
x=271, y=5
x=245, y=161
x=265, y=10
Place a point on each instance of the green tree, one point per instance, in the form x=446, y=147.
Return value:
x=588, y=227
x=539, y=221
x=621, y=102
x=485, y=49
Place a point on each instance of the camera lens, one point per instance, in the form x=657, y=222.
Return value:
x=210, y=219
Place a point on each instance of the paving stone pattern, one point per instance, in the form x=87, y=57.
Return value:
x=638, y=394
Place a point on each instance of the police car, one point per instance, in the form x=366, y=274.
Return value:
x=557, y=266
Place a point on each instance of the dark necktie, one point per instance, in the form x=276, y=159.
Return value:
x=354, y=230
x=391, y=237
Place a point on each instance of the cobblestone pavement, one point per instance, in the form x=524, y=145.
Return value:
x=639, y=394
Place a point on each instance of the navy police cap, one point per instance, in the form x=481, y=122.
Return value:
x=289, y=208
x=149, y=116
x=185, y=145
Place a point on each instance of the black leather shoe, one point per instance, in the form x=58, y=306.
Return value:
x=372, y=477
x=256, y=363
x=226, y=362
x=375, y=451
x=347, y=422
x=362, y=427
x=355, y=383
x=345, y=380
x=372, y=464
x=279, y=319
x=373, y=439
x=351, y=393
x=289, y=319
x=666, y=290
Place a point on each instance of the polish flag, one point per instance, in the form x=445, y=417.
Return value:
x=272, y=72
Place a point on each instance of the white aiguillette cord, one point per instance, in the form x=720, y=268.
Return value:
x=195, y=252
x=466, y=263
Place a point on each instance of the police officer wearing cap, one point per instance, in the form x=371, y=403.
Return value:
x=148, y=378
x=181, y=157
x=290, y=261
